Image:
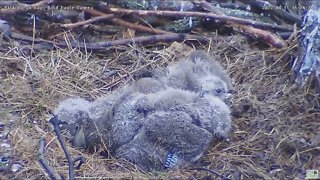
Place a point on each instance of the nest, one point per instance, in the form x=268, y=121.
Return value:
x=274, y=130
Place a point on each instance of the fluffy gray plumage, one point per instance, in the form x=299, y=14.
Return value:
x=163, y=133
x=89, y=124
x=163, y=121
x=199, y=73
x=169, y=121
x=145, y=86
x=75, y=112
x=85, y=127
x=125, y=116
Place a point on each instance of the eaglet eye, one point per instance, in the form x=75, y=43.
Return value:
x=77, y=127
x=218, y=91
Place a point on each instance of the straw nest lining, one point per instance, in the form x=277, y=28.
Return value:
x=274, y=131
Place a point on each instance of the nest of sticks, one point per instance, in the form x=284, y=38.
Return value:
x=275, y=125
x=274, y=130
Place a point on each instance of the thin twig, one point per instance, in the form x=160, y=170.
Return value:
x=89, y=21
x=138, y=27
x=127, y=24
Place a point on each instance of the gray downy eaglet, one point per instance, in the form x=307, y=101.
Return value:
x=84, y=125
x=164, y=121
x=199, y=73
x=173, y=123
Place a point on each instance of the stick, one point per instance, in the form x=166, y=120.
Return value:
x=141, y=39
x=51, y=173
x=274, y=10
x=125, y=42
x=127, y=24
x=56, y=122
x=266, y=36
x=89, y=21
x=222, y=18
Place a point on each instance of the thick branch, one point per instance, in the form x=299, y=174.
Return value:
x=274, y=10
x=222, y=18
x=125, y=42
x=268, y=37
x=142, y=39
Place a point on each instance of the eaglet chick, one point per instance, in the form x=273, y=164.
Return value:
x=171, y=122
x=89, y=124
x=199, y=73
x=148, y=123
x=84, y=125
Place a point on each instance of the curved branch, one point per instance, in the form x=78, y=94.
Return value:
x=222, y=18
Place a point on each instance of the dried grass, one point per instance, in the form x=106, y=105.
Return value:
x=274, y=132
